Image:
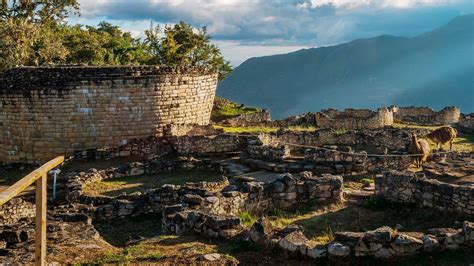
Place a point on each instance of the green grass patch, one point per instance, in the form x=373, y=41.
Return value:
x=139, y=252
x=224, y=109
x=250, y=129
x=341, y=131
x=302, y=128
x=129, y=184
x=247, y=218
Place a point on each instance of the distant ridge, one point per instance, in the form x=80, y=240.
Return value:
x=434, y=69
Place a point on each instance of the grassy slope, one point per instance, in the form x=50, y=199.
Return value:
x=224, y=109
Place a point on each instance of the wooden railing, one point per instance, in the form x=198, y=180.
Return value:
x=39, y=176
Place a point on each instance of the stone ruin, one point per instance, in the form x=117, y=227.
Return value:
x=211, y=209
x=354, y=119
x=50, y=111
x=426, y=116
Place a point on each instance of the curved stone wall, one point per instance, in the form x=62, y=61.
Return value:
x=50, y=111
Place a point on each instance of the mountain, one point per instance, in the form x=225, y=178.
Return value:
x=434, y=69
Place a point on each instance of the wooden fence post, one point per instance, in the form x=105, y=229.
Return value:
x=40, y=232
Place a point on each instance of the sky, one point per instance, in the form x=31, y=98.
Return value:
x=249, y=28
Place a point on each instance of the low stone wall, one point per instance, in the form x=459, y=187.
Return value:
x=381, y=243
x=288, y=191
x=391, y=139
x=257, y=118
x=275, y=154
x=354, y=119
x=466, y=123
x=427, y=116
x=178, y=221
x=15, y=210
x=174, y=130
x=209, y=145
x=408, y=187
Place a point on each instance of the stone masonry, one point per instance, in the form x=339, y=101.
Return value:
x=49, y=111
x=410, y=188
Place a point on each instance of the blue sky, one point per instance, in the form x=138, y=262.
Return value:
x=249, y=28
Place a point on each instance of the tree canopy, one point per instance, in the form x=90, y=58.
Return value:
x=35, y=33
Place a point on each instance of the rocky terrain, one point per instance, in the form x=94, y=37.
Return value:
x=328, y=187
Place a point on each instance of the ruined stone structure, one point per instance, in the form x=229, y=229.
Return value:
x=15, y=210
x=466, y=123
x=50, y=111
x=426, y=115
x=354, y=118
x=407, y=187
x=257, y=118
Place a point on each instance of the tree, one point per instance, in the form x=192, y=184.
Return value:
x=16, y=42
x=38, y=11
x=180, y=45
x=29, y=31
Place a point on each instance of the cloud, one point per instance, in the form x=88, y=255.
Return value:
x=283, y=23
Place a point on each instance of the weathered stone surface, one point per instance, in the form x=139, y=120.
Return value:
x=261, y=230
x=468, y=230
x=292, y=241
x=337, y=249
x=406, y=245
x=212, y=257
x=77, y=104
x=317, y=252
x=430, y=243
x=382, y=235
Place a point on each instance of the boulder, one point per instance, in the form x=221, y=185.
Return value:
x=468, y=230
x=261, y=230
x=211, y=257
x=382, y=235
x=348, y=238
x=317, y=252
x=293, y=241
x=406, y=245
x=453, y=240
x=336, y=249
x=430, y=243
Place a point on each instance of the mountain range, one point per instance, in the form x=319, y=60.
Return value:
x=434, y=69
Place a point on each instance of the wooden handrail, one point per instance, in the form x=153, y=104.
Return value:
x=39, y=176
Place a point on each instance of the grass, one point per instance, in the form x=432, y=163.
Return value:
x=261, y=129
x=139, y=252
x=249, y=129
x=464, y=142
x=341, y=131
x=224, y=109
x=247, y=218
x=321, y=222
x=413, y=126
x=129, y=184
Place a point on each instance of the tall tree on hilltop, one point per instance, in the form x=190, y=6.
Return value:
x=181, y=45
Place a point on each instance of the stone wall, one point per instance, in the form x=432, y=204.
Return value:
x=257, y=118
x=46, y=112
x=378, y=141
x=274, y=154
x=354, y=119
x=16, y=209
x=408, y=187
x=382, y=243
x=208, y=145
x=466, y=123
x=426, y=115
